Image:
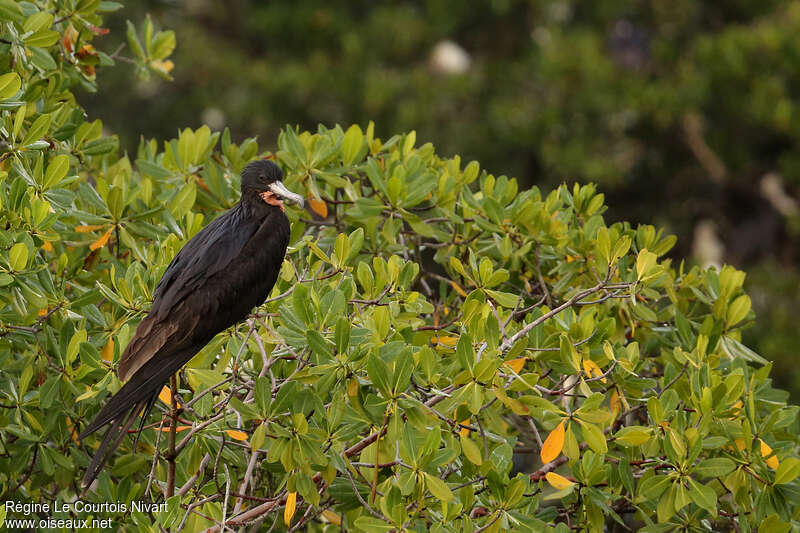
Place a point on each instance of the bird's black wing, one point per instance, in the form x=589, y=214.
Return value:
x=212, y=251
x=208, y=252
x=213, y=282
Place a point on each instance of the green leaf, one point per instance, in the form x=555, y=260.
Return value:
x=38, y=21
x=56, y=171
x=505, y=299
x=633, y=435
x=39, y=128
x=101, y=146
x=133, y=41
x=594, y=437
x=703, y=495
x=18, y=257
x=379, y=374
x=471, y=450
x=342, y=334
x=163, y=44
x=351, y=144
x=9, y=85
x=263, y=394
x=736, y=349
x=653, y=487
x=787, y=470
x=738, y=309
x=43, y=38
x=369, y=524
x=714, y=467
x=645, y=261
x=773, y=524
x=319, y=345
x=438, y=488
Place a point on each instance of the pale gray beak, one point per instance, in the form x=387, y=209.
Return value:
x=280, y=189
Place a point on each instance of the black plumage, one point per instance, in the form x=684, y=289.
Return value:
x=213, y=282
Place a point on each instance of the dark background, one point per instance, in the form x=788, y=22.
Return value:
x=686, y=113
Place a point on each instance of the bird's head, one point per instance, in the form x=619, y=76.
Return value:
x=262, y=179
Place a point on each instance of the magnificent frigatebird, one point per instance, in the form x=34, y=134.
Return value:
x=213, y=282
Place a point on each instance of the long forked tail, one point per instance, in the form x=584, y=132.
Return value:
x=119, y=428
x=121, y=410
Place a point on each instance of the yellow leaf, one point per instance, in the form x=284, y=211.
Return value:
x=164, y=66
x=43, y=312
x=88, y=229
x=352, y=388
x=458, y=289
x=740, y=445
x=99, y=243
x=47, y=246
x=318, y=206
x=332, y=517
x=291, y=505
x=446, y=341
x=108, y=350
x=558, y=482
x=238, y=435
x=516, y=364
x=553, y=444
x=166, y=396
x=766, y=452
x=592, y=369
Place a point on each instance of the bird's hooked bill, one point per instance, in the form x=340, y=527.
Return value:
x=280, y=189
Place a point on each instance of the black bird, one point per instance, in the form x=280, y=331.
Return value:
x=213, y=282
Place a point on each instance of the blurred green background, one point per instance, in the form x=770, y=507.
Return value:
x=686, y=113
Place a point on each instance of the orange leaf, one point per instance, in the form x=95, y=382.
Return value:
x=177, y=429
x=464, y=432
x=458, y=289
x=69, y=38
x=238, y=435
x=99, y=243
x=615, y=403
x=166, y=396
x=89, y=228
x=740, y=444
x=98, y=31
x=558, y=482
x=291, y=505
x=87, y=50
x=43, y=312
x=766, y=453
x=47, y=246
x=332, y=517
x=72, y=432
x=318, y=206
x=592, y=370
x=108, y=351
x=516, y=364
x=553, y=444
